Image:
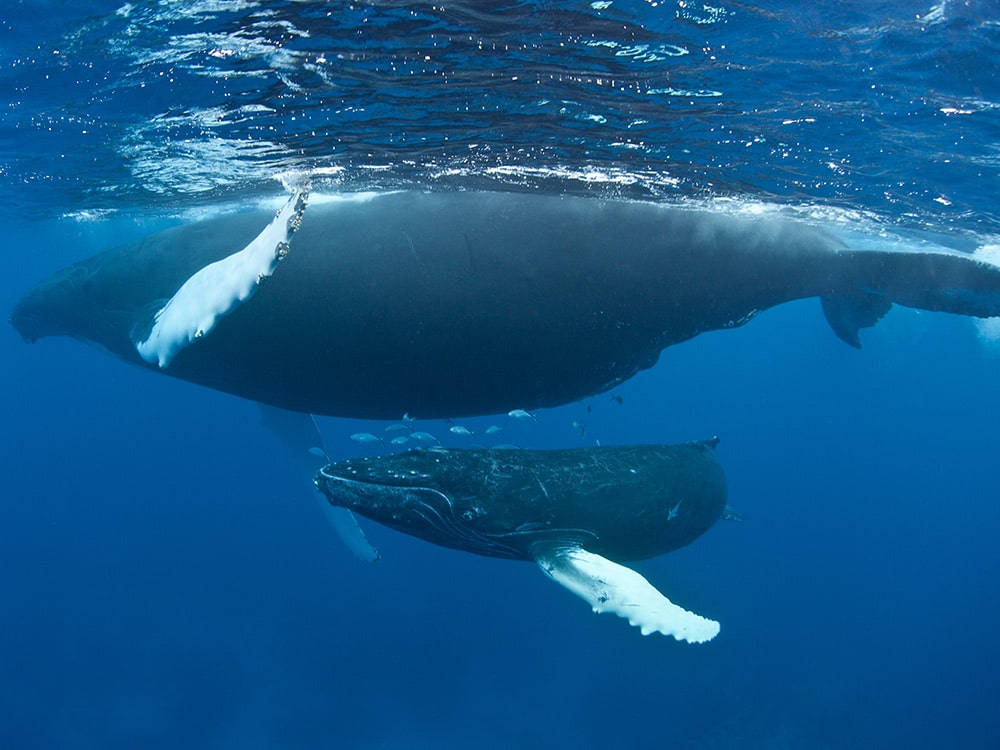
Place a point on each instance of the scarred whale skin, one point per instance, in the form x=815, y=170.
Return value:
x=462, y=303
x=622, y=502
x=578, y=513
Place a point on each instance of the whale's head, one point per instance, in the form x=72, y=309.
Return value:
x=412, y=492
x=57, y=306
x=83, y=302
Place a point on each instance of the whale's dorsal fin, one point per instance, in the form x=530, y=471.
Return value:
x=848, y=314
x=610, y=587
x=217, y=289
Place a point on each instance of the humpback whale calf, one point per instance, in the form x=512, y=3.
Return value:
x=576, y=512
x=450, y=304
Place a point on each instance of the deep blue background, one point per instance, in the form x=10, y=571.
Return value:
x=166, y=578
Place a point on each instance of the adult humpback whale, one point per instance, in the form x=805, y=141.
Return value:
x=461, y=303
x=572, y=511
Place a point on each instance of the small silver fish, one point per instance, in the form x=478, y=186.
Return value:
x=399, y=428
x=522, y=415
x=366, y=437
x=580, y=427
x=425, y=437
x=672, y=514
x=460, y=430
x=400, y=440
x=494, y=429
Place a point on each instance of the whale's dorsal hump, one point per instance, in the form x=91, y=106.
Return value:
x=610, y=587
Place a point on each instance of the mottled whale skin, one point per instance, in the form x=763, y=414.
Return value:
x=576, y=512
x=464, y=303
x=624, y=502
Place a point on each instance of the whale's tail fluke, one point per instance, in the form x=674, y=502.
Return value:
x=939, y=282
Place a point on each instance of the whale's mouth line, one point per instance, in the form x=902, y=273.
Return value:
x=434, y=508
x=408, y=481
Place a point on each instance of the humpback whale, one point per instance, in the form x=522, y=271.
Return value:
x=451, y=304
x=578, y=513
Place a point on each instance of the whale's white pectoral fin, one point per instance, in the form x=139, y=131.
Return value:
x=350, y=532
x=302, y=440
x=219, y=288
x=610, y=587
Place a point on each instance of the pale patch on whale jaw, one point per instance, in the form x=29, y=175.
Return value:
x=220, y=288
x=610, y=587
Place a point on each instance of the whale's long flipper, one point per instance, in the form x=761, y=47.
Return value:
x=610, y=587
x=350, y=532
x=874, y=280
x=218, y=289
x=304, y=443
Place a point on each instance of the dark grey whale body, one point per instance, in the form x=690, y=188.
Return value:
x=625, y=502
x=575, y=512
x=450, y=304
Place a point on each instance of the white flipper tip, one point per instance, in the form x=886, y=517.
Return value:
x=610, y=587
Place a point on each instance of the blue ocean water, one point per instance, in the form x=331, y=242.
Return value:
x=167, y=580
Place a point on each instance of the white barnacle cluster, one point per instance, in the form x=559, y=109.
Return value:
x=295, y=220
x=220, y=287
